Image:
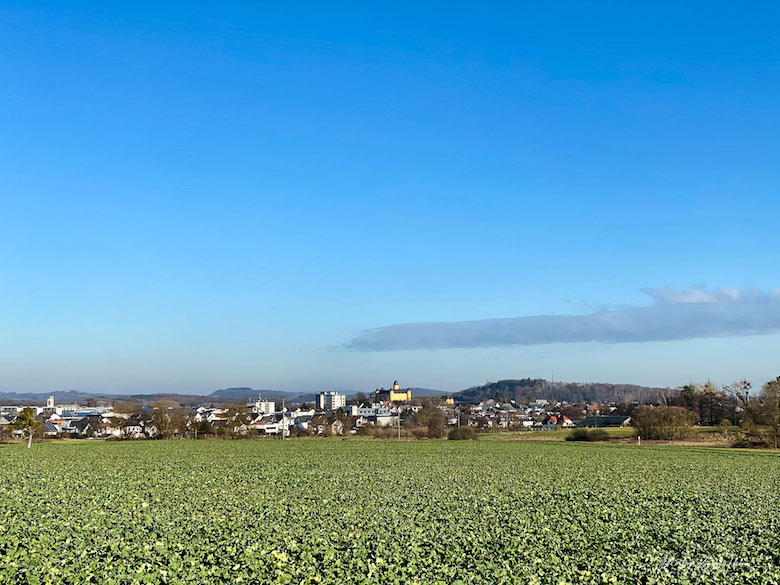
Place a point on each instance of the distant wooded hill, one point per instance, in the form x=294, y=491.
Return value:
x=518, y=390
x=216, y=397
x=529, y=389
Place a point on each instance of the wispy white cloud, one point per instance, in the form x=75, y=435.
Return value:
x=673, y=315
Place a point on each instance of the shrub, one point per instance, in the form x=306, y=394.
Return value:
x=578, y=435
x=749, y=436
x=419, y=432
x=598, y=435
x=462, y=434
x=666, y=423
x=586, y=435
x=385, y=432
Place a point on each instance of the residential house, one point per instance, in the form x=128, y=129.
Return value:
x=133, y=428
x=273, y=424
x=554, y=421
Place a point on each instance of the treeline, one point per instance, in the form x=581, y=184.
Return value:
x=528, y=389
x=757, y=418
x=711, y=404
x=761, y=421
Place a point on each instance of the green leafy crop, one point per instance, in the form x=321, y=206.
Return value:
x=332, y=512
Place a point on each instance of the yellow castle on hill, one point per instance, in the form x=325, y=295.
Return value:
x=394, y=395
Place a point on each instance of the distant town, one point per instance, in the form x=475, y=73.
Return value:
x=330, y=414
x=386, y=413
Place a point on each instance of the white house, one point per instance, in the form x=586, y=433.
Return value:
x=384, y=420
x=209, y=414
x=353, y=410
x=133, y=429
x=552, y=421
x=272, y=425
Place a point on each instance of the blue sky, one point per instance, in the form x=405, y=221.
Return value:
x=202, y=195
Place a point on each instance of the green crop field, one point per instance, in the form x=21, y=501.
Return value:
x=318, y=511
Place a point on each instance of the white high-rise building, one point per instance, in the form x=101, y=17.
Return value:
x=261, y=406
x=331, y=400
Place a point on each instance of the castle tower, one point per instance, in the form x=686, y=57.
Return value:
x=50, y=402
x=396, y=387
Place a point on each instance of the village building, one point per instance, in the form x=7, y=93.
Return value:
x=261, y=406
x=554, y=421
x=393, y=395
x=331, y=401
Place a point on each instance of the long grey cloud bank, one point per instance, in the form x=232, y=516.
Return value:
x=673, y=315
